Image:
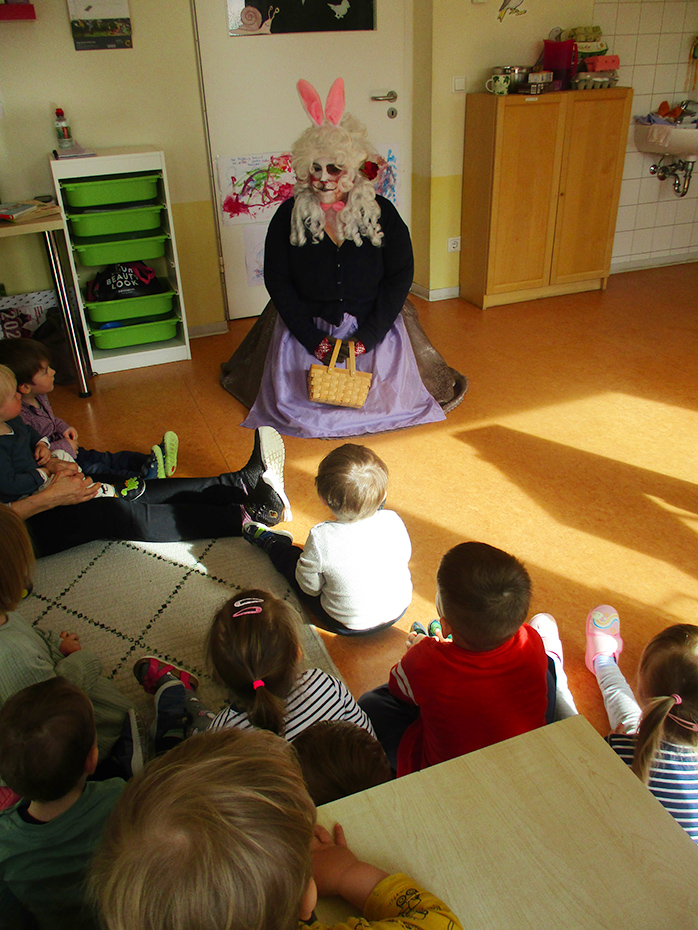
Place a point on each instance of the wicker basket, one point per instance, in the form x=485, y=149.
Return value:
x=340, y=387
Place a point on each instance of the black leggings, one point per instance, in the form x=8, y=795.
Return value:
x=169, y=510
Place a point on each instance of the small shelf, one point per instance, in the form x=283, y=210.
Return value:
x=10, y=11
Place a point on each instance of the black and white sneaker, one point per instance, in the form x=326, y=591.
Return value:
x=264, y=479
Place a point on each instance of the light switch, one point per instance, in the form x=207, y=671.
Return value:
x=458, y=84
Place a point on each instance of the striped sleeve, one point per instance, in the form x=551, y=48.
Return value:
x=319, y=696
x=673, y=779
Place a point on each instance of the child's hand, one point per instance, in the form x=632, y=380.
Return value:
x=337, y=871
x=71, y=434
x=70, y=642
x=413, y=638
x=59, y=467
x=42, y=454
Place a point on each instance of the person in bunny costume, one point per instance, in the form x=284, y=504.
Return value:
x=338, y=266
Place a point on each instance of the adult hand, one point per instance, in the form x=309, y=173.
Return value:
x=59, y=467
x=42, y=453
x=70, y=643
x=62, y=491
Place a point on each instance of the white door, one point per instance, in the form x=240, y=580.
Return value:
x=252, y=106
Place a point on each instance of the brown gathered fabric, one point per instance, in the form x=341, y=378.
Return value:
x=241, y=375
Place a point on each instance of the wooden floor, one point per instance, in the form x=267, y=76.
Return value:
x=576, y=449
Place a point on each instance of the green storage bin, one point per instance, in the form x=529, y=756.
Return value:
x=112, y=222
x=129, y=308
x=136, y=335
x=106, y=250
x=109, y=189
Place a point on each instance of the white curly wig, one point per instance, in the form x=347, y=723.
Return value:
x=347, y=145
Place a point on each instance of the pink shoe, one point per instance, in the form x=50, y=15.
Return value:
x=546, y=627
x=603, y=634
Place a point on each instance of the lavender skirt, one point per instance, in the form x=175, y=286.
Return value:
x=397, y=397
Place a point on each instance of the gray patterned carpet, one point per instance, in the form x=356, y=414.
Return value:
x=127, y=600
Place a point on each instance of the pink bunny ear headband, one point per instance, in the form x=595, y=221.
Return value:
x=334, y=107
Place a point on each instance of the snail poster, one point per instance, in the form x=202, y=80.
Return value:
x=266, y=17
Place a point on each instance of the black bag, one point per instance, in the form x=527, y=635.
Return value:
x=117, y=282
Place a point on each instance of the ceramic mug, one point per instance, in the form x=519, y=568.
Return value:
x=499, y=84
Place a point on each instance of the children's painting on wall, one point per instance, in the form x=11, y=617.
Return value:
x=100, y=24
x=251, y=187
x=265, y=17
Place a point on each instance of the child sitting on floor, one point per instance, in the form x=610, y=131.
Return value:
x=29, y=360
x=255, y=651
x=221, y=832
x=446, y=698
x=339, y=758
x=26, y=463
x=657, y=737
x=353, y=572
x=28, y=655
x=47, y=752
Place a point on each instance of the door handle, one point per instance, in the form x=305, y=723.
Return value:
x=391, y=97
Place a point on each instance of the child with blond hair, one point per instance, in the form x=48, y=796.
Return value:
x=221, y=832
x=353, y=572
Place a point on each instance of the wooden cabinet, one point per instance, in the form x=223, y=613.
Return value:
x=125, y=190
x=541, y=182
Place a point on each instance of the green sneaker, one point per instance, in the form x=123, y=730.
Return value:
x=131, y=489
x=435, y=629
x=170, y=447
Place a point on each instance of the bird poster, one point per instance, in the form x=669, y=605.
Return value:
x=512, y=8
x=269, y=17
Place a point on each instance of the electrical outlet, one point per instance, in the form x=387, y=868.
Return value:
x=454, y=244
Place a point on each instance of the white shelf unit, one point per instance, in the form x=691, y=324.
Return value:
x=124, y=162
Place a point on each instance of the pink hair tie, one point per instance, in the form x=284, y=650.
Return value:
x=677, y=699
x=258, y=684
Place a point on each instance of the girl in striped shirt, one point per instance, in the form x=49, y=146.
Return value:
x=657, y=737
x=255, y=651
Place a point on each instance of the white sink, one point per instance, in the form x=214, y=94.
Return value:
x=660, y=139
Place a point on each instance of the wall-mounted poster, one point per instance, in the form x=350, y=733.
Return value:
x=100, y=24
x=264, y=17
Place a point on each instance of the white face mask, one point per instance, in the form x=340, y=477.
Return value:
x=325, y=176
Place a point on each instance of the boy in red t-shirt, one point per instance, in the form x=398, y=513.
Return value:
x=489, y=683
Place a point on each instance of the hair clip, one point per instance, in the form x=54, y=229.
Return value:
x=246, y=604
x=677, y=699
x=258, y=683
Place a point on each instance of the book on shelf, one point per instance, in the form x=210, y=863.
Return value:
x=12, y=212
x=28, y=210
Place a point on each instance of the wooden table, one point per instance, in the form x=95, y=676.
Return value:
x=550, y=830
x=49, y=226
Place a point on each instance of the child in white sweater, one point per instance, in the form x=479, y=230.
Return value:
x=353, y=572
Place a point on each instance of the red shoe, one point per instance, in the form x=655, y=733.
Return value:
x=149, y=672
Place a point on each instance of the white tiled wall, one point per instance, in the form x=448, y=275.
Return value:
x=653, y=40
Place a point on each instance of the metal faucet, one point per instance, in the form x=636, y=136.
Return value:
x=685, y=111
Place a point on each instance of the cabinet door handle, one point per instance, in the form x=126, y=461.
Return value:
x=391, y=96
